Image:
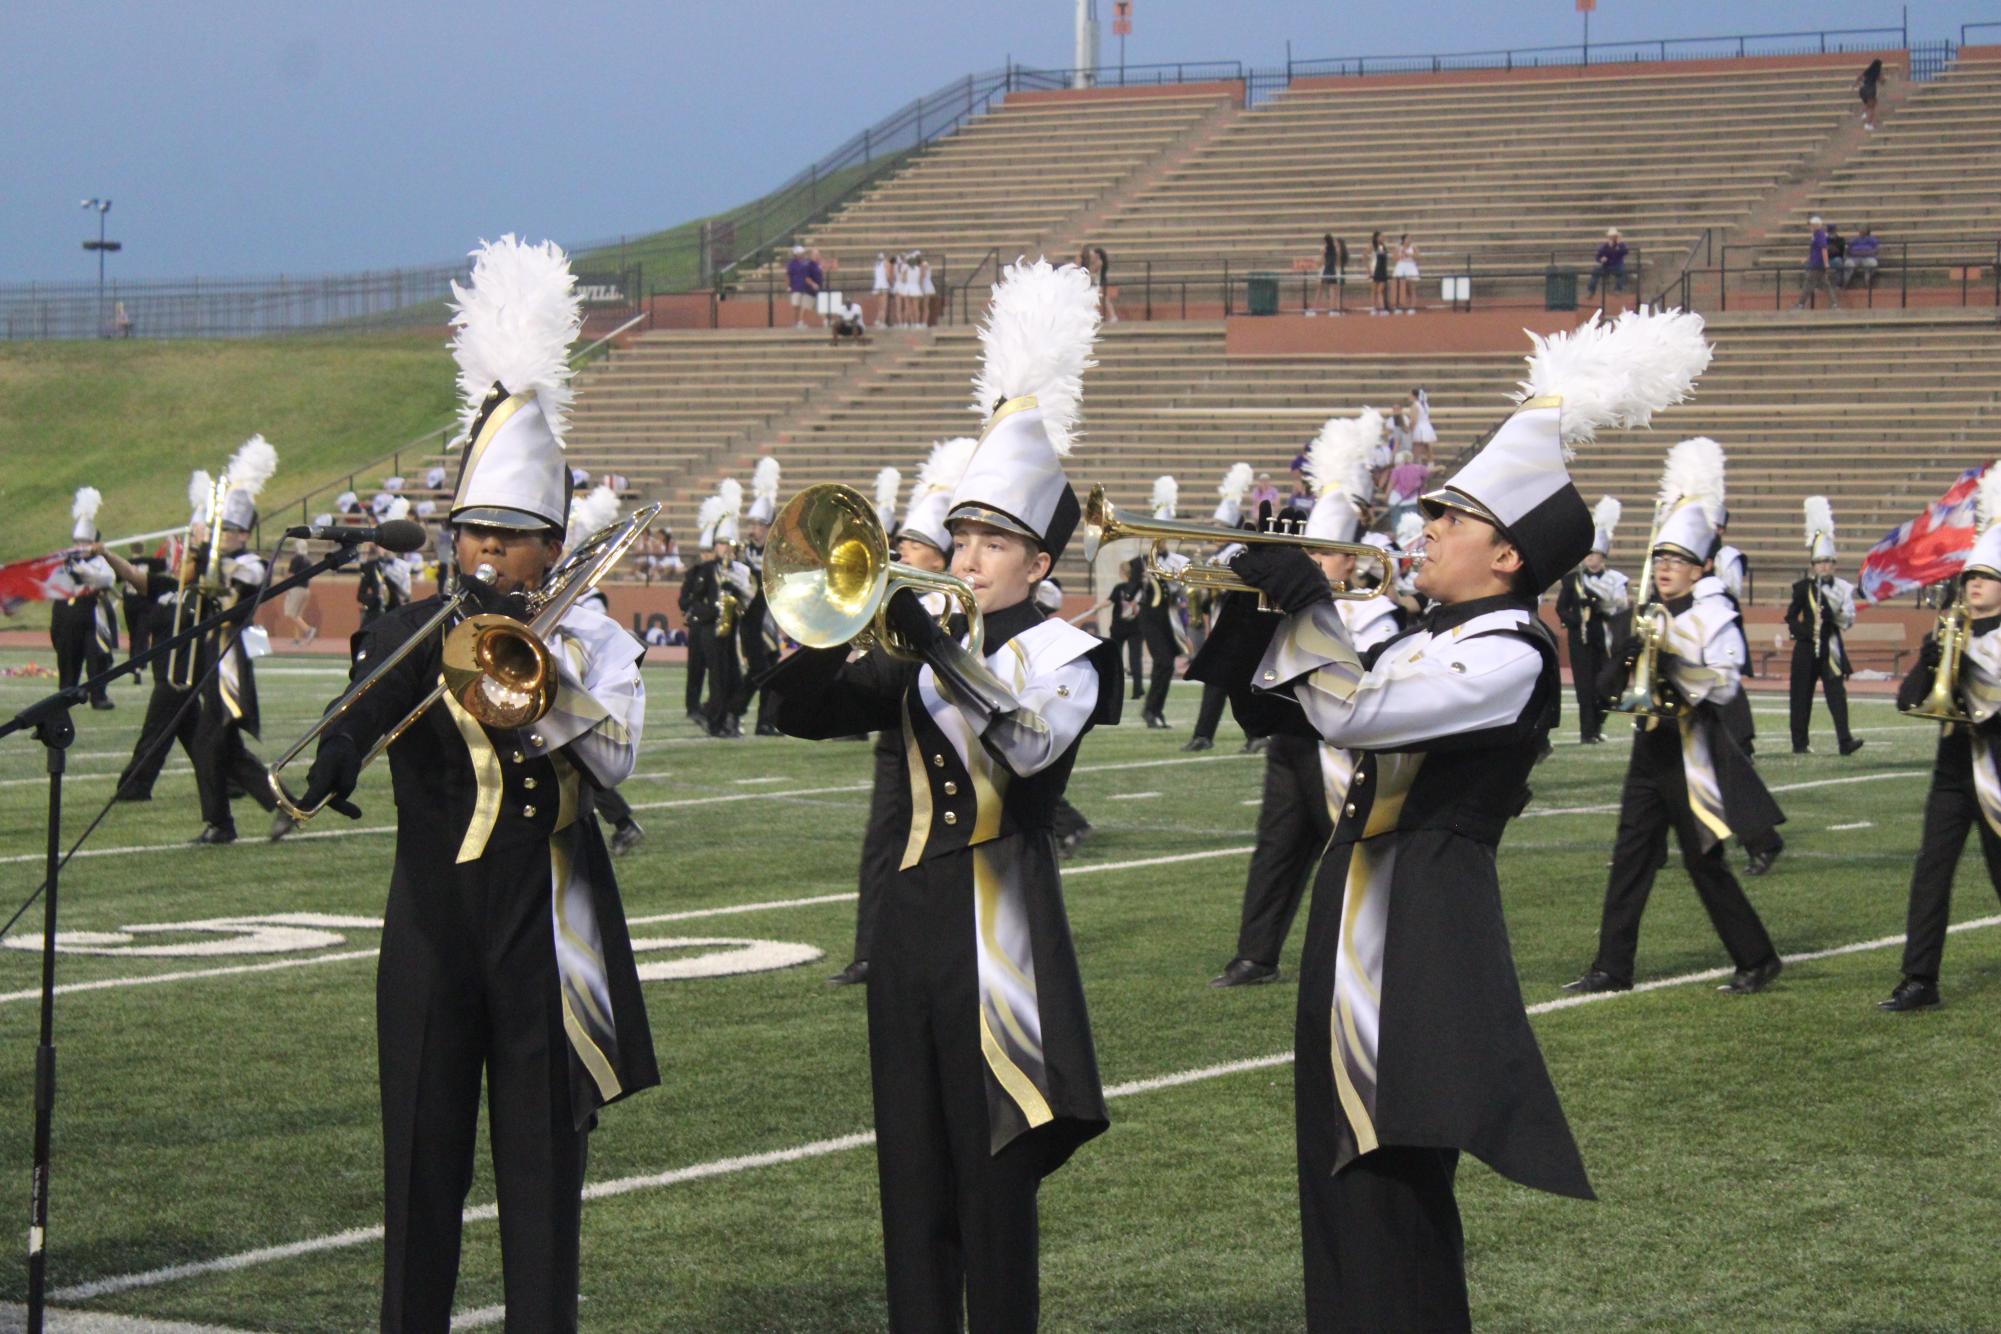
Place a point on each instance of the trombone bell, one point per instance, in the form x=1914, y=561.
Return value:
x=499, y=671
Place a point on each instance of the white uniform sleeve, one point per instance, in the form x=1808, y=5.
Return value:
x=93, y=572
x=1711, y=670
x=1422, y=692
x=1056, y=707
x=1612, y=591
x=600, y=699
x=1844, y=603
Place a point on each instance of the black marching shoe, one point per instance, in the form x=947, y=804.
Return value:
x=1245, y=973
x=1761, y=860
x=852, y=974
x=211, y=833
x=1594, y=981
x=1153, y=720
x=102, y=702
x=1198, y=743
x=626, y=837
x=1853, y=744
x=1913, y=993
x=699, y=719
x=1803, y=750
x=282, y=825
x=1067, y=845
x=1749, y=981
x=1256, y=745
x=768, y=729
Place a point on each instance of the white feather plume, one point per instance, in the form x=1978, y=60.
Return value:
x=764, y=479
x=1338, y=458
x=1037, y=339
x=1987, y=498
x=399, y=508
x=516, y=320
x=200, y=489
x=1410, y=527
x=887, y=483
x=1166, y=492
x=1236, y=482
x=593, y=512
x=1605, y=514
x=1694, y=471
x=945, y=466
x=88, y=501
x=1820, y=518
x=731, y=494
x=252, y=465
x=711, y=512
x=1617, y=374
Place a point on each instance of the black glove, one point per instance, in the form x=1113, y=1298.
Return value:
x=1287, y=577
x=1629, y=650
x=336, y=769
x=1929, y=652
x=908, y=617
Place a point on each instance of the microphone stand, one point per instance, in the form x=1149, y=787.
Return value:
x=50, y=722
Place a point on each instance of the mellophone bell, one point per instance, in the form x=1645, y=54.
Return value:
x=1956, y=684
x=503, y=708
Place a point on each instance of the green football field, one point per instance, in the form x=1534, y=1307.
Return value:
x=1789, y=1161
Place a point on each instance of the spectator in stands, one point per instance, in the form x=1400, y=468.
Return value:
x=907, y=290
x=1861, y=258
x=1610, y=270
x=1333, y=271
x=799, y=282
x=879, y=288
x=1866, y=85
x=1814, y=277
x=1423, y=435
x=1408, y=480
x=848, y=323
x=1837, y=255
x=927, y=292
x=1379, y=274
x=816, y=275
x=1263, y=493
x=1108, y=309
x=1405, y=274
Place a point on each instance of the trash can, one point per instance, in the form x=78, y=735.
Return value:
x=1559, y=289
x=1262, y=294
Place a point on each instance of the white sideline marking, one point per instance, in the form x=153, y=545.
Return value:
x=481, y=1318
x=1843, y=828
x=746, y=782
x=14, y=1318
x=821, y=1148
x=1775, y=787
x=1131, y=796
x=184, y=975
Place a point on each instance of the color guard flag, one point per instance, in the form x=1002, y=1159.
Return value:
x=40, y=579
x=1926, y=549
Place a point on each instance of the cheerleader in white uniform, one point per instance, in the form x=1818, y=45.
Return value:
x=1422, y=433
x=879, y=289
x=1405, y=274
x=925, y=290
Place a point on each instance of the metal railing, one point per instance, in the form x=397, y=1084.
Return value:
x=1926, y=274
x=1830, y=41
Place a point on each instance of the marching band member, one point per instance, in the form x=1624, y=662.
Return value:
x=1124, y=598
x=504, y=947
x=1966, y=785
x=1589, y=603
x=1402, y=587
x=696, y=629
x=164, y=587
x=81, y=630
x=1412, y=1041
x=595, y=511
x=1822, y=607
x=1157, y=625
x=718, y=595
x=1687, y=773
x=888, y=482
x=755, y=631
x=924, y=542
x=1306, y=780
x=980, y=1050
x=1733, y=571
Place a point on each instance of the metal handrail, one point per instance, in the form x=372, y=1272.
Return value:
x=1528, y=56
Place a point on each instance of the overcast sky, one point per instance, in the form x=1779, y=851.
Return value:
x=277, y=136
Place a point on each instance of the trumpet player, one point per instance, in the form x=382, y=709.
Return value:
x=1589, y=603
x=504, y=946
x=1822, y=607
x=719, y=595
x=1412, y=1042
x=1687, y=772
x=980, y=1051
x=1306, y=779
x=1966, y=787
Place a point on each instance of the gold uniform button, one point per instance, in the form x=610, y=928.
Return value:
x=528, y=783
x=1271, y=676
x=534, y=740
x=951, y=817
x=951, y=788
x=517, y=757
x=1351, y=808
x=1361, y=775
x=937, y=761
x=529, y=811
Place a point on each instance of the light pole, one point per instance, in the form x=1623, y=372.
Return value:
x=102, y=247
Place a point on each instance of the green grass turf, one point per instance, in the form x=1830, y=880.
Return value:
x=1793, y=1161
x=133, y=418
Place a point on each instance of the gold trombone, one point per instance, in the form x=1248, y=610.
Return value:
x=1647, y=694
x=1103, y=523
x=828, y=576
x=1942, y=703
x=498, y=669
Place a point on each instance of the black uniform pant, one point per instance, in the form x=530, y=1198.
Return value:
x=1160, y=647
x=757, y=657
x=1382, y=1240
x=1950, y=809
x=1655, y=800
x=138, y=626
x=612, y=805
x=447, y=1010
x=698, y=665
x=882, y=845
x=958, y=1221
x=1136, y=660
x=160, y=727
x=1739, y=723
x=1293, y=828
x=1805, y=673
x=73, y=636
x=1210, y=715
x=1585, y=663
x=221, y=759
x=725, y=681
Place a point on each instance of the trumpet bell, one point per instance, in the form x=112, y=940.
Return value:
x=826, y=565
x=498, y=671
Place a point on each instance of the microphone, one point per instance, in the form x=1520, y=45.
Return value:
x=398, y=535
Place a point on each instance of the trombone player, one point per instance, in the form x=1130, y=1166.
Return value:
x=504, y=945
x=1964, y=695
x=1822, y=607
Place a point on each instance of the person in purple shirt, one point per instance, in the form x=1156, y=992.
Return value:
x=1861, y=258
x=1814, y=277
x=1611, y=268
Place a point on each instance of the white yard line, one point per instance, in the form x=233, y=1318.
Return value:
x=1131, y=796
x=183, y=975
x=1844, y=828
x=821, y=1148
